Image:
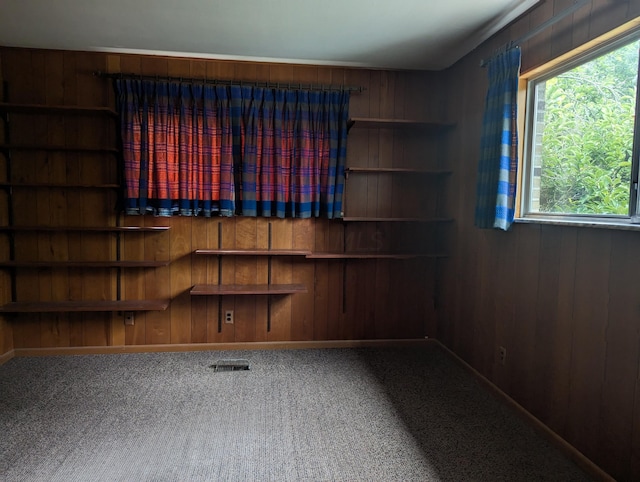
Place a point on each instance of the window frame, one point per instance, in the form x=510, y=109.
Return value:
x=604, y=44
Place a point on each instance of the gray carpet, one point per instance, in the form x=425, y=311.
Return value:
x=328, y=414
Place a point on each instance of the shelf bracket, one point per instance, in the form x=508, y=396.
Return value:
x=219, y=277
x=269, y=261
x=344, y=270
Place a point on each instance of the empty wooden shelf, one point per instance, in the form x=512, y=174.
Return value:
x=373, y=255
x=57, y=148
x=369, y=122
x=253, y=252
x=57, y=185
x=401, y=219
x=83, y=264
x=84, y=305
x=96, y=229
x=257, y=289
x=397, y=170
x=55, y=109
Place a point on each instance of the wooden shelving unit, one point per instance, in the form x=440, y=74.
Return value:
x=222, y=289
x=10, y=183
x=371, y=123
x=269, y=289
x=422, y=180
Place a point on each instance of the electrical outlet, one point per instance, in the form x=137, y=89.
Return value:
x=128, y=318
x=228, y=317
x=502, y=355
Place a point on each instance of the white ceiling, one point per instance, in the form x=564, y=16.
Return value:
x=396, y=34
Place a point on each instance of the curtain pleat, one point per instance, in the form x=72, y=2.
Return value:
x=497, y=169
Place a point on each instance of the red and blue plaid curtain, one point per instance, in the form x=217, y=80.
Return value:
x=177, y=148
x=194, y=149
x=293, y=151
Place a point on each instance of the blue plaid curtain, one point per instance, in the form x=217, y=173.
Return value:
x=200, y=149
x=497, y=169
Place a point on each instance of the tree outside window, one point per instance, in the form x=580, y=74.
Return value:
x=583, y=121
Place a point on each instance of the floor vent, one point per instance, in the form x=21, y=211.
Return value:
x=230, y=365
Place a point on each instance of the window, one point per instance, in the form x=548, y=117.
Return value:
x=579, y=157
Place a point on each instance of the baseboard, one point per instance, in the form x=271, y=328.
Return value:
x=5, y=357
x=275, y=345
x=569, y=450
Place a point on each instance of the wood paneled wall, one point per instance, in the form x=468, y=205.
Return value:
x=562, y=300
x=384, y=298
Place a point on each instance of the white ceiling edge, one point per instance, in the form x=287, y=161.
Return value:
x=238, y=58
x=510, y=13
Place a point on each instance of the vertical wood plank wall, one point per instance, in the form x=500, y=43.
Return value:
x=562, y=300
x=6, y=333
x=404, y=310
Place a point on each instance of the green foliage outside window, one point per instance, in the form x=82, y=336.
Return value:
x=587, y=135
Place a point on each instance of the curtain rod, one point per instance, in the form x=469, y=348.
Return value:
x=269, y=85
x=542, y=27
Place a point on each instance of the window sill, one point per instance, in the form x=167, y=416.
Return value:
x=624, y=224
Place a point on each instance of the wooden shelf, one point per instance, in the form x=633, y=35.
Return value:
x=54, y=185
x=373, y=256
x=398, y=170
x=262, y=289
x=253, y=252
x=91, y=229
x=59, y=109
x=88, y=305
x=395, y=220
x=83, y=264
x=49, y=148
x=368, y=122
